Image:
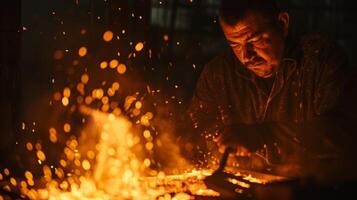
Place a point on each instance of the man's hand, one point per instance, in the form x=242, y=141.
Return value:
x=241, y=136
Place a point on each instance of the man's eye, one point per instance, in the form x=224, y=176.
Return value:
x=236, y=46
x=259, y=43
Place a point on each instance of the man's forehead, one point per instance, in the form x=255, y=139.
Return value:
x=241, y=30
x=249, y=25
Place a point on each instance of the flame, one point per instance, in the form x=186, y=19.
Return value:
x=118, y=172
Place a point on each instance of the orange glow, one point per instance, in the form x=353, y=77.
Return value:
x=7, y=172
x=67, y=127
x=108, y=36
x=75, y=62
x=139, y=46
x=138, y=105
x=113, y=63
x=166, y=38
x=105, y=100
x=85, y=78
x=116, y=111
x=82, y=51
x=57, y=96
x=58, y=55
x=31, y=183
x=40, y=155
x=149, y=146
x=88, y=100
x=38, y=146
x=83, y=31
x=66, y=92
x=90, y=154
x=63, y=163
x=103, y=65
x=111, y=92
x=86, y=165
x=149, y=115
x=28, y=175
x=53, y=135
x=13, y=181
x=147, y=134
x=147, y=162
x=29, y=146
x=65, y=101
x=115, y=86
x=144, y=120
x=121, y=69
x=80, y=88
x=80, y=99
x=116, y=166
x=97, y=93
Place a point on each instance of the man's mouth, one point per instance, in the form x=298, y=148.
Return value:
x=255, y=65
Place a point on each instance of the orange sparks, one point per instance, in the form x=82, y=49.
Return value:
x=67, y=127
x=115, y=86
x=138, y=105
x=40, y=155
x=75, y=62
x=108, y=36
x=111, y=92
x=139, y=46
x=85, y=78
x=13, y=181
x=83, y=31
x=103, y=65
x=147, y=134
x=29, y=146
x=28, y=175
x=66, y=92
x=149, y=146
x=58, y=55
x=97, y=93
x=80, y=88
x=57, y=96
x=82, y=51
x=113, y=63
x=86, y=165
x=53, y=135
x=147, y=162
x=65, y=101
x=88, y=100
x=121, y=69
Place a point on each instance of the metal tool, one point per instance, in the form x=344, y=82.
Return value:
x=218, y=180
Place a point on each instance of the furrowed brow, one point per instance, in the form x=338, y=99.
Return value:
x=254, y=35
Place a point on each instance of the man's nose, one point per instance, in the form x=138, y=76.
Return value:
x=247, y=53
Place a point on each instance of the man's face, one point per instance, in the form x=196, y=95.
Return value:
x=257, y=43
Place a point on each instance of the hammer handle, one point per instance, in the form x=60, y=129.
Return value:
x=223, y=162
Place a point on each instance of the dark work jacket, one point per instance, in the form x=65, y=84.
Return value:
x=306, y=116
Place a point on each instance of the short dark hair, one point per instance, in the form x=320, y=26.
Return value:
x=232, y=11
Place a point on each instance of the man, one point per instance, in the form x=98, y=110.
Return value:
x=284, y=100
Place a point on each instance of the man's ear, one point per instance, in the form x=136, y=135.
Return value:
x=284, y=19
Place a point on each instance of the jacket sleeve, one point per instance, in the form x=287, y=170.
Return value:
x=204, y=109
x=200, y=121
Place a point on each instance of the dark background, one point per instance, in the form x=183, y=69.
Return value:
x=31, y=31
